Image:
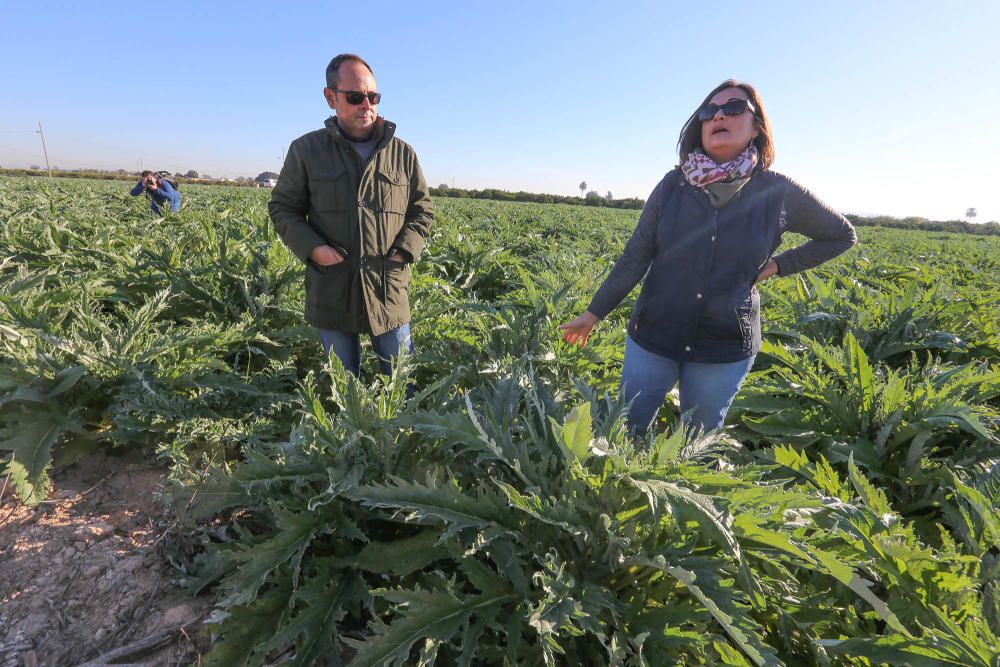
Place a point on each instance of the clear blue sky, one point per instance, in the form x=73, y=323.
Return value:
x=888, y=107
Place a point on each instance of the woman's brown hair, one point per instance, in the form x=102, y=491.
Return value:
x=690, y=138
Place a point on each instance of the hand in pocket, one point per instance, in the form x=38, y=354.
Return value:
x=324, y=255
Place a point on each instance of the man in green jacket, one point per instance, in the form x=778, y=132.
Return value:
x=351, y=203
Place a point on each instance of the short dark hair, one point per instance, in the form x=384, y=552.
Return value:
x=334, y=67
x=146, y=173
x=690, y=138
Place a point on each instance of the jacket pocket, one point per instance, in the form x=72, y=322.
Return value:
x=393, y=190
x=330, y=189
x=396, y=283
x=640, y=312
x=330, y=268
x=338, y=229
x=329, y=287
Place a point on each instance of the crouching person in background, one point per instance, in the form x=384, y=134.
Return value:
x=160, y=192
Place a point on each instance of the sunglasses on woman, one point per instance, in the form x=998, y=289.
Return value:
x=357, y=97
x=730, y=108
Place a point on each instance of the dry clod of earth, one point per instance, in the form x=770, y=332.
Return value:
x=83, y=579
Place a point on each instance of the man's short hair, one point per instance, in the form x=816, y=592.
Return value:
x=333, y=68
x=146, y=173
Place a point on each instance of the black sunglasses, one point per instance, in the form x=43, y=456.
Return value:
x=357, y=97
x=730, y=108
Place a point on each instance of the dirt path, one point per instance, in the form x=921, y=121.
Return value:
x=85, y=573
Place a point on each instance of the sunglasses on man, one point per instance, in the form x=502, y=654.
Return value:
x=356, y=97
x=730, y=108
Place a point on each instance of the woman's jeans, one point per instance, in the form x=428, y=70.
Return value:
x=708, y=389
x=347, y=347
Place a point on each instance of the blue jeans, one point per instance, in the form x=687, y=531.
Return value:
x=347, y=347
x=708, y=389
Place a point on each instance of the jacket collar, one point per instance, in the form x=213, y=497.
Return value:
x=384, y=131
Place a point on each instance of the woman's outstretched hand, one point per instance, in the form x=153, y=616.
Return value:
x=770, y=269
x=578, y=331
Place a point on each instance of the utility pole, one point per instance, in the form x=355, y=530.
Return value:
x=44, y=149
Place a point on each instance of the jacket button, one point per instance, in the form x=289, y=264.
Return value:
x=687, y=348
x=713, y=238
x=698, y=295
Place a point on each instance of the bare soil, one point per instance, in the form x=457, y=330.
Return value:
x=84, y=576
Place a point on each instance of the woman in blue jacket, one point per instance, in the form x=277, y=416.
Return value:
x=706, y=237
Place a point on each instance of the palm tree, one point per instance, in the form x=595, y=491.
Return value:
x=583, y=187
x=970, y=213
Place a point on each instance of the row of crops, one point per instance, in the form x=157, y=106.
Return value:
x=849, y=516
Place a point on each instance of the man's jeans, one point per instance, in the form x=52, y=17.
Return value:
x=709, y=389
x=347, y=347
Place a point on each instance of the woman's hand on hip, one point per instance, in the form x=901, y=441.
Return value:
x=770, y=269
x=578, y=331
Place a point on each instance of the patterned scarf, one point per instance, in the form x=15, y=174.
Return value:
x=701, y=170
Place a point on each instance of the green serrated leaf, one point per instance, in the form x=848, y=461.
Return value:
x=423, y=615
x=323, y=600
x=897, y=650
x=874, y=499
x=729, y=655
x=286, y=547
x=668, y=448
x=747, y=527
x=66, y=379
x=403, y=556
x=31, y=489
x=735, y=624
x=431, y=504
x=30, y=440
x=245, y=629
x=846, y=575
x=577, y=431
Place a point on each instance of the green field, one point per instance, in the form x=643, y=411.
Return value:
x=849, y=516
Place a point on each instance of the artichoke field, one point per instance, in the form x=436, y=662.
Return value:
x=849, y=515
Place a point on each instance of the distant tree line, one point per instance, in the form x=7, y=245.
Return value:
x=123, y=175
x=982, y=229
x=592, y=198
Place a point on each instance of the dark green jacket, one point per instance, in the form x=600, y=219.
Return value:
x=365, y=210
